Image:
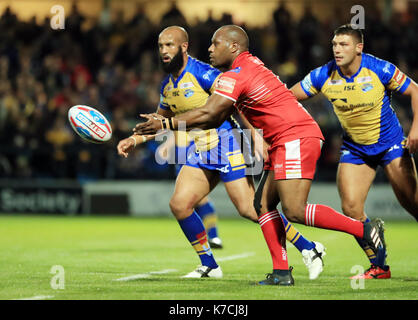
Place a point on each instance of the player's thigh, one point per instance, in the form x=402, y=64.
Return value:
x=241, y=192
x=192, y=185
x=354, y=182
x=293, y=194
x=402, y=175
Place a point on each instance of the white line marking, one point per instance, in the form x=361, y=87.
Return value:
x=148, y=274
x=236, y=256
x=145, y=275
x=36, y=298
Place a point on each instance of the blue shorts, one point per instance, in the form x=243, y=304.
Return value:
x=356, y=156
x=227, y=158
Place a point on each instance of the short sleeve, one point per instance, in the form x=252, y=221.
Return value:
x=207, y=75
x=228, y=85
x=390, y=76
x=313, y=81
x=398, y=81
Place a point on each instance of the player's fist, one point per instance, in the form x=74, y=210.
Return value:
x=151, y=127
x=125, y=146
x=412, y=140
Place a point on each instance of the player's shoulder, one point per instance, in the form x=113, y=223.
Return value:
x=379, y=66
x=324, y=71
x=202, y=70
x=233, y=73
x=319, y=75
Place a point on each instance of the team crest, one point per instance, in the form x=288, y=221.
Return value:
x=366, y=87
x=188, y=93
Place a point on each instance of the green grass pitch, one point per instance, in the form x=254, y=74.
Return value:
x=95, y=252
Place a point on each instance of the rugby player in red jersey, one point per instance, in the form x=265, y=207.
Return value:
x=295, y=141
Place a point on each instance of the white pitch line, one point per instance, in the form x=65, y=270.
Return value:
x=148, y=274
x=36, y=298
x=145, y=275
x=236, y=256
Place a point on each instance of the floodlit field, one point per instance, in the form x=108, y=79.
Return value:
x=100, y=258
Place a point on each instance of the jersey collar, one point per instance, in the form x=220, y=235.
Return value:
x=239, y=58
x=351, y=79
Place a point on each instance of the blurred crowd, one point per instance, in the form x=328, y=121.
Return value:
x=113, y=65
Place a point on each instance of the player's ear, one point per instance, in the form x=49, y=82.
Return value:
x=359, y=48
x=234, y=47
x=184, y=47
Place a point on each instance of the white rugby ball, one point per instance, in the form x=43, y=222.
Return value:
x=89, y=124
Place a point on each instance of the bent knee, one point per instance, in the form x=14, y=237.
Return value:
x=248, y=212
x=181, y=209
x=353, y=210
x=294, y=212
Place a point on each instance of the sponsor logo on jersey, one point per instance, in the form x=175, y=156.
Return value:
x=206, y=76
x=236, y=70
x=350, y=87
x=364, y=79
x=225, y=84
x=335, y=82
x=186, y=85
x=386, y=68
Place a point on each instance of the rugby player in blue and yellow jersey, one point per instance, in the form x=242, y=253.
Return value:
x=359, y=86
x=215, y=154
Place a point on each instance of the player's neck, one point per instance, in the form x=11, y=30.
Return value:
x=178, y=73
x=235, y=56
x=352, y=68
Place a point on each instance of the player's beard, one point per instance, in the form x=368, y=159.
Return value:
x=175, y=64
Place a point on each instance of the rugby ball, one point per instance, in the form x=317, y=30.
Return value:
x=89, y=124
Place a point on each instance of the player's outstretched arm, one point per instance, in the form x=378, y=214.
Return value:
x=412, y=140
x=299, y=93
x=216, y=110
x=127, y=145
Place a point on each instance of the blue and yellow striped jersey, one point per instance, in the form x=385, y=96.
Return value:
x=189, y=91
x=362, y=102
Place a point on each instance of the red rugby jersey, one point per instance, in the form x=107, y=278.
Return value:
x=265, y=101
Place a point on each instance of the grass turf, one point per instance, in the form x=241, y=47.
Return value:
x=95, y=251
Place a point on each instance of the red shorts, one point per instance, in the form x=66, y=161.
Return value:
x=294, y=159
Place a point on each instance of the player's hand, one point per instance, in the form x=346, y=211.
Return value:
x=260, y=148
x=152, y=126
x=164, y=151
x=125, y=146
x=412, y=139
